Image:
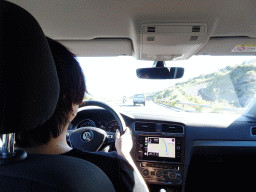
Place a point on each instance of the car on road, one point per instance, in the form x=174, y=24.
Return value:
x=139, y=99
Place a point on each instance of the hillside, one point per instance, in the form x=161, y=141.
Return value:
x=230, y=87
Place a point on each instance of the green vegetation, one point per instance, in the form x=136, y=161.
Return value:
x=88, y=97
x=227, y=90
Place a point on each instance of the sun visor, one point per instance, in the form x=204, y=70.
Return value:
x=179, y=41
x=100, y=47
x=229, y=46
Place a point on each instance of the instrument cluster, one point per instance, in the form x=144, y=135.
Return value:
x=110, y=126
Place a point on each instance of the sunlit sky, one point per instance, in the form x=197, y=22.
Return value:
x=115, y=77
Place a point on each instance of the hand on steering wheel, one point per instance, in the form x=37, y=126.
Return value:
x=92, y=138
x=123, y=143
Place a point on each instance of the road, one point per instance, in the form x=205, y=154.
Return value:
x=150, y=107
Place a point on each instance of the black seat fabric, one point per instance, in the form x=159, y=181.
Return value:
x=29, y=91
x=53, y=173
x=29, y=82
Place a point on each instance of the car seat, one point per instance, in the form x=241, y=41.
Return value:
x=29, y=90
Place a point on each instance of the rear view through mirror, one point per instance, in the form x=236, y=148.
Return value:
x=160, y=73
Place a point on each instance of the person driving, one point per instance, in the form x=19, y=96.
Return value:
x=50, y=137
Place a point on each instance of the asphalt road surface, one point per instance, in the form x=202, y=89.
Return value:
x=140, y=108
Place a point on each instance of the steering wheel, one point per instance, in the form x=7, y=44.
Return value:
x=92, y=138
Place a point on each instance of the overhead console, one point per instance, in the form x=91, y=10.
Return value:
x=160, y=152
x=173, y=41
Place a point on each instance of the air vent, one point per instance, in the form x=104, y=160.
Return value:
x=172, y=128
x=151, y=29
x=253, y=130
x=193, y=38
x=145, y=127
x=196, y=29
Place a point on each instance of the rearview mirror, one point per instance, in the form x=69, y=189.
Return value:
x=160, y=73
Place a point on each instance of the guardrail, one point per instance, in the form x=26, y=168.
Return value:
x=183, y=104
x=169, y=107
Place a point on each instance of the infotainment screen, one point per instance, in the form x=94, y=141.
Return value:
x=158, y=148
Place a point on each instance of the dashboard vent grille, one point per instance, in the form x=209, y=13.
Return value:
x=253, y=130
x=172, y=128
x=145, y=127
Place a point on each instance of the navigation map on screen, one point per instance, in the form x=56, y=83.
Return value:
x=161, y=147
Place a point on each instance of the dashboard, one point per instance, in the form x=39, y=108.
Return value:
x=177, y=151
x=99, y=118
x=109, y=126
x=159, y=151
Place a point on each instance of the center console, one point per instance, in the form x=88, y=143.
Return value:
x=160, y=157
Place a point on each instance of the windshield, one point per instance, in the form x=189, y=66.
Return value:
x=139, y=96
x=211, y=84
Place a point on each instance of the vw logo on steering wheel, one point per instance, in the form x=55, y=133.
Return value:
x=87, y=135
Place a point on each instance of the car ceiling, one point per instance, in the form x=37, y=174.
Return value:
x=79, y=22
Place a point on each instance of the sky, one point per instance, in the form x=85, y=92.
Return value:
x=115, y=77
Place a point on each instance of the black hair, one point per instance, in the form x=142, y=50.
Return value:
x=72, y=90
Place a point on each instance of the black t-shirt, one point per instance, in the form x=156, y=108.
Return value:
x=118, y=170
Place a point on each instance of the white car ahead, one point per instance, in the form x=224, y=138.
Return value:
x=139, y=99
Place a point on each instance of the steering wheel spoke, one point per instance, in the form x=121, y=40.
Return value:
x=110, y=138
x=92, y=138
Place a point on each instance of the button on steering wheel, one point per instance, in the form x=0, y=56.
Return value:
x=92, y=138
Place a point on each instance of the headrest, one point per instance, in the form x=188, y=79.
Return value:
x=29, y=86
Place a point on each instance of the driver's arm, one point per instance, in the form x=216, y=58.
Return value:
x=123, y=146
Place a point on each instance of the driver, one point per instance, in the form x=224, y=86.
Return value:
x=50, y=137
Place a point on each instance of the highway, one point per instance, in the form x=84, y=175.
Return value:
x=148, y=108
